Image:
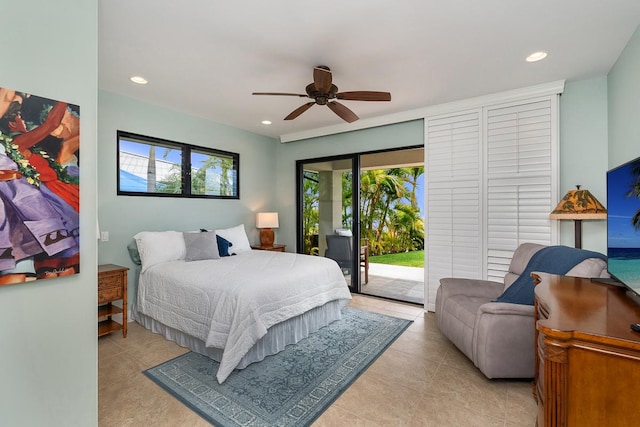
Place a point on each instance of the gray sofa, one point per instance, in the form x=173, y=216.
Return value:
x=498, y=337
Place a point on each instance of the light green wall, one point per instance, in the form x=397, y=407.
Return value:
x=124, y=216
x=583, y=153
x=624, y=104
x=583, y=141
x=383, y=137
x=48, y=345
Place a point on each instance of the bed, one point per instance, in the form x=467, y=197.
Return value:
x=236, y=309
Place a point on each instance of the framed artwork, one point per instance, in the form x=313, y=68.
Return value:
x=39, y=187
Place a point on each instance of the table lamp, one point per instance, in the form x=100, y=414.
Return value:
x=578, y=205
x=266, y=221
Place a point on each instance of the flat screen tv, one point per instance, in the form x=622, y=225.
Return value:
x=623, y=224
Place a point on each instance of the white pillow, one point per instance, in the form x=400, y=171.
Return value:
x=156, y=247
x=344, y=232
x=238, y=238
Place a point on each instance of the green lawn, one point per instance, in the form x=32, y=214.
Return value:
x=407, y=259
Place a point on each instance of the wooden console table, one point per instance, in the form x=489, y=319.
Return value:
x=587, y=357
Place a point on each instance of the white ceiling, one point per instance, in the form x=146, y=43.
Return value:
x=206, y=57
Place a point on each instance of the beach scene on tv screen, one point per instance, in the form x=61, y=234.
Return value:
x=623, y=200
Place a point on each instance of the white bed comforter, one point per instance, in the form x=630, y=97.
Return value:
x=229, y=303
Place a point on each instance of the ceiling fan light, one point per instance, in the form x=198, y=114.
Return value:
x=266, y=122
x=537, y=56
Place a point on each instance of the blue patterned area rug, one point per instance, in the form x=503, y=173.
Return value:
x=291, y=388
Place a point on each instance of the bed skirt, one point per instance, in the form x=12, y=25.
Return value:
x=277, y=338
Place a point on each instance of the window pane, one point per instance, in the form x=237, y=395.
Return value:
x=213, y=174
x=150, y=168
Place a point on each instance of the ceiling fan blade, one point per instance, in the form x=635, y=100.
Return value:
x=364, y=95
x=345, y=114
x=295, y=113
x=322, y=79
x=280, y=94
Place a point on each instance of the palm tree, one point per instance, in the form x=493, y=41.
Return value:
x=408, y=226
x=412, y=178
x=392, y=190
x=220, y=166
x=310, y=215
x=151, y=170
x=635, y=192
x=381, y=190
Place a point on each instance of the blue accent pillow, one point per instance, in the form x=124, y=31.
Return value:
x=223, y=244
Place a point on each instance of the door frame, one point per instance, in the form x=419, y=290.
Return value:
x=356, y=282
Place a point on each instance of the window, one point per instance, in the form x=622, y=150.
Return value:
x=155, y=167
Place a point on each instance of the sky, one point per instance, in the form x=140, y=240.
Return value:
x=620, y=208
x=419, y=194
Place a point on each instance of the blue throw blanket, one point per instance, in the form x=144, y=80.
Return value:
x=551, y=259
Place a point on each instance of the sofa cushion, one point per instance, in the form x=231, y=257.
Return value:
x=465, y=308
x=592, y=267
x=551, y=259
x=519, y=261
x=459, y=319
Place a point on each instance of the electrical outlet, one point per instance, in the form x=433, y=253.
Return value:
x=104, y=236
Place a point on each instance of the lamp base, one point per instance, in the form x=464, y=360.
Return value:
x=577, y=228
x=266, y=237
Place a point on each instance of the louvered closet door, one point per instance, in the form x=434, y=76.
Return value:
x=453, y=185
x=521, y=141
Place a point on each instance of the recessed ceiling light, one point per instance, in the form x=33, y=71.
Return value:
x=266, y=122
x=139, y=80
x=537, y=56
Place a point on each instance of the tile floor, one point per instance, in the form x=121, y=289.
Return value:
x=421, y=380
x=395, y=282
x=397, y=289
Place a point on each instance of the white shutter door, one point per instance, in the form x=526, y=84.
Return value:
x=521, y=141
x=454, y=209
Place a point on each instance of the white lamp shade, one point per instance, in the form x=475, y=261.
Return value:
x=267, y=220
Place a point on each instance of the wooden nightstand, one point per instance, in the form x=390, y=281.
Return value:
x=112, y=286
x=273, y=248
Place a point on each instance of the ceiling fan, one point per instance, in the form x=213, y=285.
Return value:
x=323, y=92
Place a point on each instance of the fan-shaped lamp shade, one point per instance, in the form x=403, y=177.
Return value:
x=578, y=205
x=266, y=221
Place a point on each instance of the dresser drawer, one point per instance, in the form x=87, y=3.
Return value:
x=109, y=294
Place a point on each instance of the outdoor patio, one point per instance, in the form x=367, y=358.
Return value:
x=395, y=282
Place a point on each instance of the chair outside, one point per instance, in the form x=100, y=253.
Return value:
x=364, y=259
x=339, y=249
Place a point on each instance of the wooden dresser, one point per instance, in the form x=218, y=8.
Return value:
x=112, y=286
x=587, y=357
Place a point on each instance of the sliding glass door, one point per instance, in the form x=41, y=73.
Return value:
x=327, y=194
x=366, y=211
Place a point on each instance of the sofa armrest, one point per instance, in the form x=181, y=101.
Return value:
x=470, y=287
x=506, y=308
x=503, y=340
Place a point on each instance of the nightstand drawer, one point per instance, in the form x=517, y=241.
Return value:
x=109, y=294
x=113, y=281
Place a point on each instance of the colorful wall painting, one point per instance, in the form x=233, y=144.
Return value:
x=39, y=187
